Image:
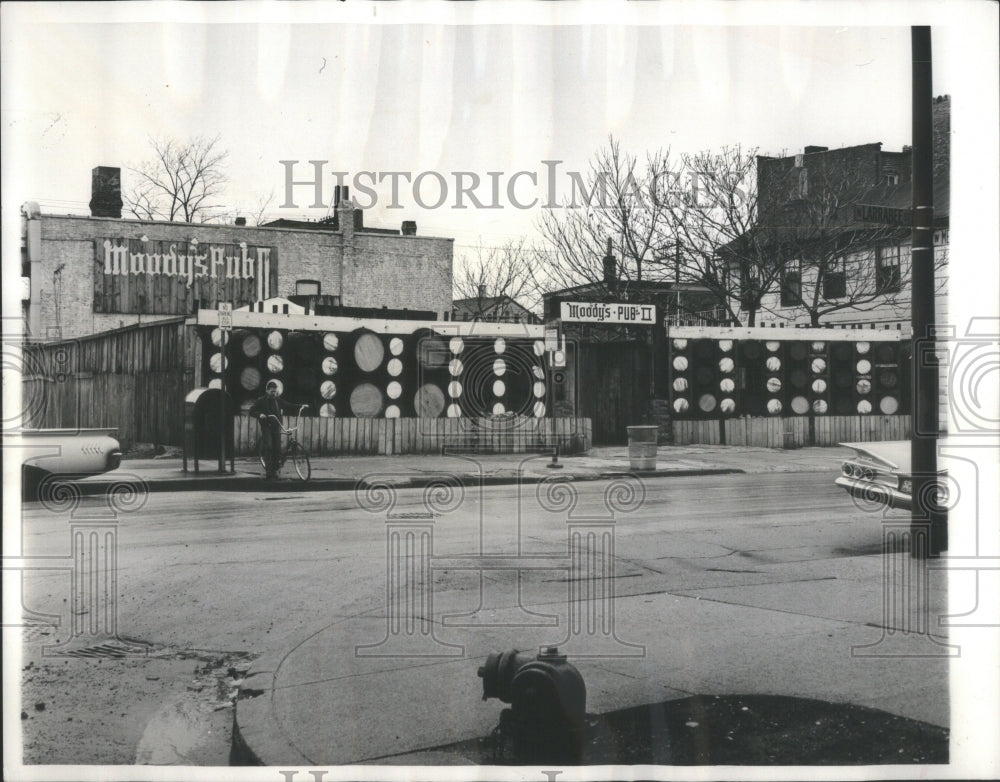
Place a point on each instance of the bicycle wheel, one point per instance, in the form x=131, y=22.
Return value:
x=300, y=460
x=260, y=451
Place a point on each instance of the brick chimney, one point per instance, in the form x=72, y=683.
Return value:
x=409, y=228
x=106, y=192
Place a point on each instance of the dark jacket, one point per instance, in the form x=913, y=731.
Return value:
x=265, y=405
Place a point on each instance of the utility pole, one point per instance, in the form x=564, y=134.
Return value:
x=928, y=517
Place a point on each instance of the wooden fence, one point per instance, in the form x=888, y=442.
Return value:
x=132, y=379
x=770, y=432
x=391, y=436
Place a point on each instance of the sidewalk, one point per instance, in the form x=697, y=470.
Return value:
x=342, y=473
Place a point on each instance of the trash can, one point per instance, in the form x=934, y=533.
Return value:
x=642, y=447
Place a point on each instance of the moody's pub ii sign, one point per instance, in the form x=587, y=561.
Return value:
x=167, y=277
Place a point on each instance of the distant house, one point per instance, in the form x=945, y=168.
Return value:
x=498, y=309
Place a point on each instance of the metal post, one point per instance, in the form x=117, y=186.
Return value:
x=923, y=440
x=222, y=404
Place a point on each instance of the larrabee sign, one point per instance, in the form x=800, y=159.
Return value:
x=608, y=312
x=166, y=277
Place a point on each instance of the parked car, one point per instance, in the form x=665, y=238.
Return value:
x=880, y=474
x=69, y=454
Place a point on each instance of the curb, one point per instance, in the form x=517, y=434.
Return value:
x=257, y=484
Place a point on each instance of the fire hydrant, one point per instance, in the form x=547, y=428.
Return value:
x=547, y=719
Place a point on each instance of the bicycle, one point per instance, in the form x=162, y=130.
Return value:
x=293, y=450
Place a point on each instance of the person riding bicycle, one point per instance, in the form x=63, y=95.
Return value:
x=271, y=404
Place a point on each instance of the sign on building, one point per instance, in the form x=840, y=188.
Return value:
x=167, y=277
x=609, y=312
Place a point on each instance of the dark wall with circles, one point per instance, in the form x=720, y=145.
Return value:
x=715, y=378
x=365, y=374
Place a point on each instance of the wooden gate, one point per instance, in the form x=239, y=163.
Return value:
x=613, y=388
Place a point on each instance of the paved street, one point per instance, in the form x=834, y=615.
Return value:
x=731, y=583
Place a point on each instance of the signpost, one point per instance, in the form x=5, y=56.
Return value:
x=225, y=326
x=884, y=215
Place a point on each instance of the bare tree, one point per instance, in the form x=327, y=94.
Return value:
x=613, y=202
x=493, y=283
x=180, y=182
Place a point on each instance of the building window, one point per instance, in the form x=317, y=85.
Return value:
x=835, y=281
x=887, y=268
x=791, y=285
x=891, y=178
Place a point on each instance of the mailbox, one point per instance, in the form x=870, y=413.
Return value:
x=206, y=412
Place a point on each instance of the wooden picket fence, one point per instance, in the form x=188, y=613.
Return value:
x=392, y=436
x=770, y=432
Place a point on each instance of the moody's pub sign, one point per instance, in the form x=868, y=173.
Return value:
x=167, y=277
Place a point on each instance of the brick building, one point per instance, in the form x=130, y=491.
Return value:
x=868, y=285
x=88, y=274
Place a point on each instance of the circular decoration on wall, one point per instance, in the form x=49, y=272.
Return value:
x=368, y=352
x=456, y=345
x=818, y=347
x=864, y=407
x=392, y=411
x=773, y=385
x=454, y=411
x=680, y=363
x=395, y=346
x=864, y=386
x=773, y=406
x=499, y=389
x=538, y=372
x=539, y=347
x=888, y=405
x=328, y=389
x=394, y=390
x=366, y=401
x=820, y=406
x=454, y=389
x=329, y=365
x=281, y=386
x=215, y=382
x=725, y=345
x=681, y=405
x=727, y=405
x=819, y=386
x=888, y=378
x=394, y=367
x=539, y=410
x=275, y=340
x=499, y=409
x=706, y=403
x=251, y=346
x=330, y=341
x=217, y=337
x=862, y=348
x=499, y=367
x=680, y=344
x=864, y=367
x=275, y=364
x=327, y=411
x=217, y=363
x=538, y=389
x=428, y=401
x=818, y=365
x=726, y=365
x=800, y=405
x=726, y=385
x=455, y=367
x=680, y=384
x=773, y=346
x=773, y=364
x=250, y=378
x=499, y=345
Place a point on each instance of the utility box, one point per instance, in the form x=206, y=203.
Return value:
x=208, y=412
x=642, y=447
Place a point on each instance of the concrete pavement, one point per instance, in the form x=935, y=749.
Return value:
x=344, y=473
